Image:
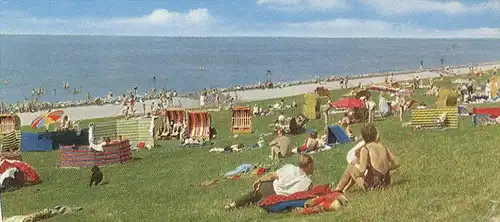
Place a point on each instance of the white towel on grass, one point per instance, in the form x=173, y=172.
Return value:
x=91, y=141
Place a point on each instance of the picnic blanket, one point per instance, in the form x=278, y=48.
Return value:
x=243, y=168
x=314, y=192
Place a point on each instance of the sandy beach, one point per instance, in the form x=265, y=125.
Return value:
x=90, y=112
x=108, y=110
x=263, y=94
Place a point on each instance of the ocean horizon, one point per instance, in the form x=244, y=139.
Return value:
x=99, y=64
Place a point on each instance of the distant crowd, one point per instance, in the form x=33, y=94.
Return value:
x=212, y=96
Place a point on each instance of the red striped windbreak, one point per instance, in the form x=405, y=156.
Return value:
x=198, y=124
x=175, y=115
x=116, y=152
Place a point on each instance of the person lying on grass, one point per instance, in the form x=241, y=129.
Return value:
x=285, y=181
x=371, y=169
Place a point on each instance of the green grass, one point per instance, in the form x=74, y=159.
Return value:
x=449, y=175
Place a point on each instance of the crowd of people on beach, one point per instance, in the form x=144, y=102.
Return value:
x=36, y=104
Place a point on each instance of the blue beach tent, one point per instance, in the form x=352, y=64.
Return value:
x=336, y=134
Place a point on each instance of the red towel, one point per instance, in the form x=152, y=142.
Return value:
x=261, y=171
x=314, y=192
x=141, y=145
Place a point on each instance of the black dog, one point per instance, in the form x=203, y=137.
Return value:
x=96, y=176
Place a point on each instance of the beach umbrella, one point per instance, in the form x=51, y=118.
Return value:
x=47, y=119
x=348, y=103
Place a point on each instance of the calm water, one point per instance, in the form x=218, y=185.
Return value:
x=100, y=64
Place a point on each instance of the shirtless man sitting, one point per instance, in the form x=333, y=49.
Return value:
x=371, y=171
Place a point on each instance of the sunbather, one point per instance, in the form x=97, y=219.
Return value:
x=281, y=119
x=280, y=146
x=65, y=124
x=300, y=120
x=287, y=180
x=311, y=143
x=422, y=106
x=256, y=111
x=346, y=123
x=375, y=162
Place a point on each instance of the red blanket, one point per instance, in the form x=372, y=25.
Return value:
x=492, y=111
x=316, y=191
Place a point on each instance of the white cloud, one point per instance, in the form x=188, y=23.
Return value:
x=356, y=28
x=199, y=22
x=159, y=22
x=163, y=16
x=304, y=5
x=400, y=7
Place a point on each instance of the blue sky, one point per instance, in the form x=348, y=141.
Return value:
x=292, y=18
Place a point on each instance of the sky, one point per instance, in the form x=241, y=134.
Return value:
x=271, y=18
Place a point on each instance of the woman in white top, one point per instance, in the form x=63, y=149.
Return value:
x=287, y=180
x=487, y=89
x=401, y=106
x=202, y=100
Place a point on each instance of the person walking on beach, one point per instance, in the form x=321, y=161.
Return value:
x=174, y=95
x=421, y=65
x=169, y=98
x=202, y=99
x=217, y=99
x=153, y=107
x=132, y=103
x=470, y=87
x=325, y=111
x=342, y=83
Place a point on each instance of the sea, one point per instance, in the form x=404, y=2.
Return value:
x=100, y=64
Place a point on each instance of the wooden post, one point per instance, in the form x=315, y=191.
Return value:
x=245, y=120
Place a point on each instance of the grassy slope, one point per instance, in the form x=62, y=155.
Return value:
x=447, y=175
